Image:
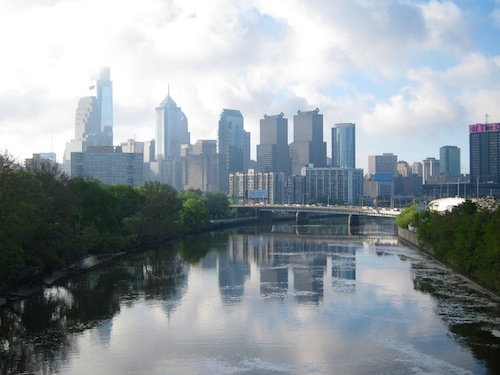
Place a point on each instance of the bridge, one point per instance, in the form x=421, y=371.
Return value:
x=265, y=211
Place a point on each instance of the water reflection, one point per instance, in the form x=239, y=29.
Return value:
x=289, y=300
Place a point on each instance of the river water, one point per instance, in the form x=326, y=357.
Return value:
x=314, y=299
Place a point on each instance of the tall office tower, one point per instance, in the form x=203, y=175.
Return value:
x=233, y=141
x=307, y=146
x=344, y=145
x=273, y=154
x=383, y=164
x=430, y=171
x=449, y=160
x=171, y=130
x=484, y=143
x=94, y=117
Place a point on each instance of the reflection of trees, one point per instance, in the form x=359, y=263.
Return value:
x=193, y=249
x=33, y=336
x=36, y=333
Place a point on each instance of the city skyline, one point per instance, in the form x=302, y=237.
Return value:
x=412, y=75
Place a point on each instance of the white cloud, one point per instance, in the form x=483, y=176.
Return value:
x=385, y=66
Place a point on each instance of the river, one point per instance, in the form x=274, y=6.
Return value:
x=286, y=299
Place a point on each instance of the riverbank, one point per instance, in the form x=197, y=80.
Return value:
x=409, y=238
x=27, y=288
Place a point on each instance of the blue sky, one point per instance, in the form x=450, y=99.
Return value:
x=412, y=75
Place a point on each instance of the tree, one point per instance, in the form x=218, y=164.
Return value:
x=158, y=218
x=217, y=205
x=194, y=215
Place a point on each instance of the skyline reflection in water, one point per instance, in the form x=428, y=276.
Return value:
x=283, y=300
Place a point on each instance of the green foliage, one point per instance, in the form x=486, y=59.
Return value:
x=194, y=215
x=466, y=238
x=158, y=218
x=48, y=220
x=405, y=217
x=217, y=205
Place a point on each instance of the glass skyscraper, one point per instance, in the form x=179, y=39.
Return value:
x=344, y=145
x=233, y=141
x=171, y=130
x=94, y=117
x=449, y=160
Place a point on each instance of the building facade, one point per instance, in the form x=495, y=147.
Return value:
x=335, y=185
x=273, y=154
x=344, y=145
x=241, y=186
x=109, y=165
x=449, y=161
x=430, y=171
x=484, y=144
x=307, y=146
x=383, y=164
x=233, y=141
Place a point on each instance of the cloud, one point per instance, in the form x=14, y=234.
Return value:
x=400, y=67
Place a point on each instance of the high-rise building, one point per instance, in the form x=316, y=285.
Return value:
x=430, y=171
x=233, y=141
x=307, y=146
x=94, y=117
x=449, y=161
x=385, y=164
x=344, y=145
x=171, y=130
x=484, y=143
x=273, y=154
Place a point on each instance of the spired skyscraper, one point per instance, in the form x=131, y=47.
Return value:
x=233, y=141
x=170, y=133
x=94, y=117
x=273, y=154
x=344, y=145
x=171, y=130
x=307, y=146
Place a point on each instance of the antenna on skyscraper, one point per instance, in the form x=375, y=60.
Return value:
x=487, y=117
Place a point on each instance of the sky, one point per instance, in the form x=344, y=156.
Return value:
x=411, y=74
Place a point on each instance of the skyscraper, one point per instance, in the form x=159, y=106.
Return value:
x=344, y=145
x=94, y=117
x=233, y=141
x=484, y=143
x=307, y=146
x=449, y=160
x=171, y=130
x=273, y=153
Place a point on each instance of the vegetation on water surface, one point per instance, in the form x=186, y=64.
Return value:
x=48, y=220
x=467, y=238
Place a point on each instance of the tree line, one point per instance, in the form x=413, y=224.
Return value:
x=467, y=238
x=49, y=221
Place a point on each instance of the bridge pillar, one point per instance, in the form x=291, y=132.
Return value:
x=301, y=217
x=352, y=220
x=265, y=217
